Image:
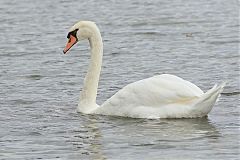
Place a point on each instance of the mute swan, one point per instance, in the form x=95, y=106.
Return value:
x=162, y=96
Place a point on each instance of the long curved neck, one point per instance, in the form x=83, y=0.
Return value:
x=89, y=93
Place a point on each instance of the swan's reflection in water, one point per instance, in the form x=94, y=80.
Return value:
x=88, y=138
x=104, y=137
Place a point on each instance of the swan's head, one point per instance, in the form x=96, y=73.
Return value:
x=79, y=31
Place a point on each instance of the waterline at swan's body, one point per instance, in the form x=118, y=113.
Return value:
x=163, y=96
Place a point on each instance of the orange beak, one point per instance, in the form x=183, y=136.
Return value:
x=72, y=40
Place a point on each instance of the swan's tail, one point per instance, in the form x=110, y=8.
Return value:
x=206, y=102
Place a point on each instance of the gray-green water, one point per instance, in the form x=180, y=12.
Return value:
x=39, y=86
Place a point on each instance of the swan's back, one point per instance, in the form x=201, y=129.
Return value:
x=152, y=96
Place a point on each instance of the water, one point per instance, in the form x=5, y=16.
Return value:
x=39, y=86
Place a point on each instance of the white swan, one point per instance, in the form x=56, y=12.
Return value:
x=162, y=96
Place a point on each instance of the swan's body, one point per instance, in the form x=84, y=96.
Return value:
x=163, y=96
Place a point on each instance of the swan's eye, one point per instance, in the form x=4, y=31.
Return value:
x=68, y=36
x=73, y=33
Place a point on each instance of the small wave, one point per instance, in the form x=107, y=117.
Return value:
x=35, y=134
x=21, y=101
x=231, y=93
x=150, y=33
x=34, y=77
x=143, y=144
x=224, y=42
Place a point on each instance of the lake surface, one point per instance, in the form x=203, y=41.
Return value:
x=39, y=86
